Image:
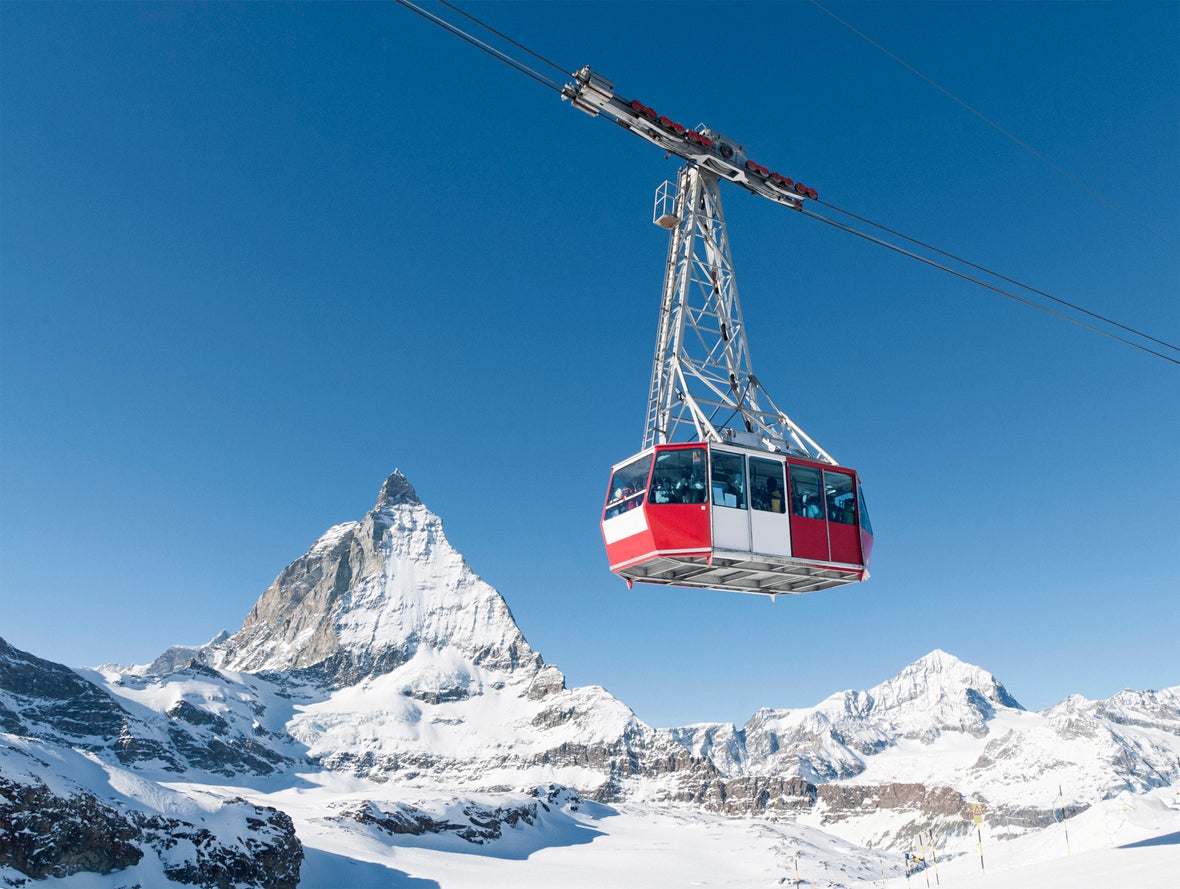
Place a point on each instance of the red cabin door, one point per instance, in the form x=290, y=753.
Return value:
x=809, y=526
x=840, y=501
x=677, y=507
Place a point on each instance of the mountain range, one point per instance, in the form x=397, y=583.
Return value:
x=379, y=685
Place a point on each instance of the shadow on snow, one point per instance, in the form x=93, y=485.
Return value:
x=325, y=870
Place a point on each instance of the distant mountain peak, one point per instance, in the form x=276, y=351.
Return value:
x=397, y=491
x=939, y=692
x=367, y=596
x=939, y=673
x=941, y=660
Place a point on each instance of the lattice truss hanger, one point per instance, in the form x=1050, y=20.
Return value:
x=703, y=386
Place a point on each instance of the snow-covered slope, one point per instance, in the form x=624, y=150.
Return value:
x=65, y=811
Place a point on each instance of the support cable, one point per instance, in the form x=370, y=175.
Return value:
x=988, y=271
x=481, y=45
x=487, y=27
x=958, y=274
x=995, y=126
x=522, y=68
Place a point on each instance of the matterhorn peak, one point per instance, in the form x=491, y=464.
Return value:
x=397, y=491
x=369, y=595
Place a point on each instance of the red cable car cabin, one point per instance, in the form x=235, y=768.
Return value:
x=730, y=518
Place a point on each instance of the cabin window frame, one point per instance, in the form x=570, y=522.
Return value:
x=623, y=480
x=758, y=497
x=732, y=483
x=671, y=485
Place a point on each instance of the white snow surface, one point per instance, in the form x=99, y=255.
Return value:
x=425, y=591
x=1130, y=842
x=494, y=718
x=408, y=589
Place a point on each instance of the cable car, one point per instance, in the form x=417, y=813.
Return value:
x=721, y=516
x=727, y=492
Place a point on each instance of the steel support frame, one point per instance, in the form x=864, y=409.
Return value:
x=702, y=379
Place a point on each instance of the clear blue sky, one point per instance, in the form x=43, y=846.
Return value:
x=254, y=257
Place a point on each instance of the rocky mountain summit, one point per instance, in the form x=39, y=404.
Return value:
x=368, y=596
x=832, y=740
x=380, y=660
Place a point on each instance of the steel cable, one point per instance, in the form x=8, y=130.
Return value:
x=550, y=84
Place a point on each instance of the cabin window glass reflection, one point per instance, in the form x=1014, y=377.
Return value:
x=806, y=494
x=840, y=498
x=679, y=477
x=864, y=512
x=729, y=480
x=767, y=491
x=627, y=485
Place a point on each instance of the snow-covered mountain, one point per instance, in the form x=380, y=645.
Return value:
x=380, y=669
x=369, y=596
x=832, y=740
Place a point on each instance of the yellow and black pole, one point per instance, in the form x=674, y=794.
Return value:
x=934, y=858
x=922, y=849
x=977, y=816
x=1064, y=820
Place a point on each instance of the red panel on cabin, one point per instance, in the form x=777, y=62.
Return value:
x=809, y=538
x=682, y=528
x=626, y=552
x=845, y=542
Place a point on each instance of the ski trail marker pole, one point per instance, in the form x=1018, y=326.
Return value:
x=934, y=858
x=977, y=815
x=1064, y=820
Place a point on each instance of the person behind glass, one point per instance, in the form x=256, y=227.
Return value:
x=661, y=491
x=773, y=498
x=811, y=507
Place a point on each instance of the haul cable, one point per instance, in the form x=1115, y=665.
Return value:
x=966, y=277
x=995, y=126
x=521, y=67
x=481, y=45
x=994, y=274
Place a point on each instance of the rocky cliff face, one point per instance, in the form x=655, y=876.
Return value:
x=368, y=596
x=41, y=698
x=62, y=813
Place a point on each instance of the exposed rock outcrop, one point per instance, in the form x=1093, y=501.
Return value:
x=45, y=832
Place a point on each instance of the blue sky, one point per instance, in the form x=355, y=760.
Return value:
x=254, y=257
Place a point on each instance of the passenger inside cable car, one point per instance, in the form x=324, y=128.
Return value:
x=729, y=480
x=628, y=486
x=679, y=477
